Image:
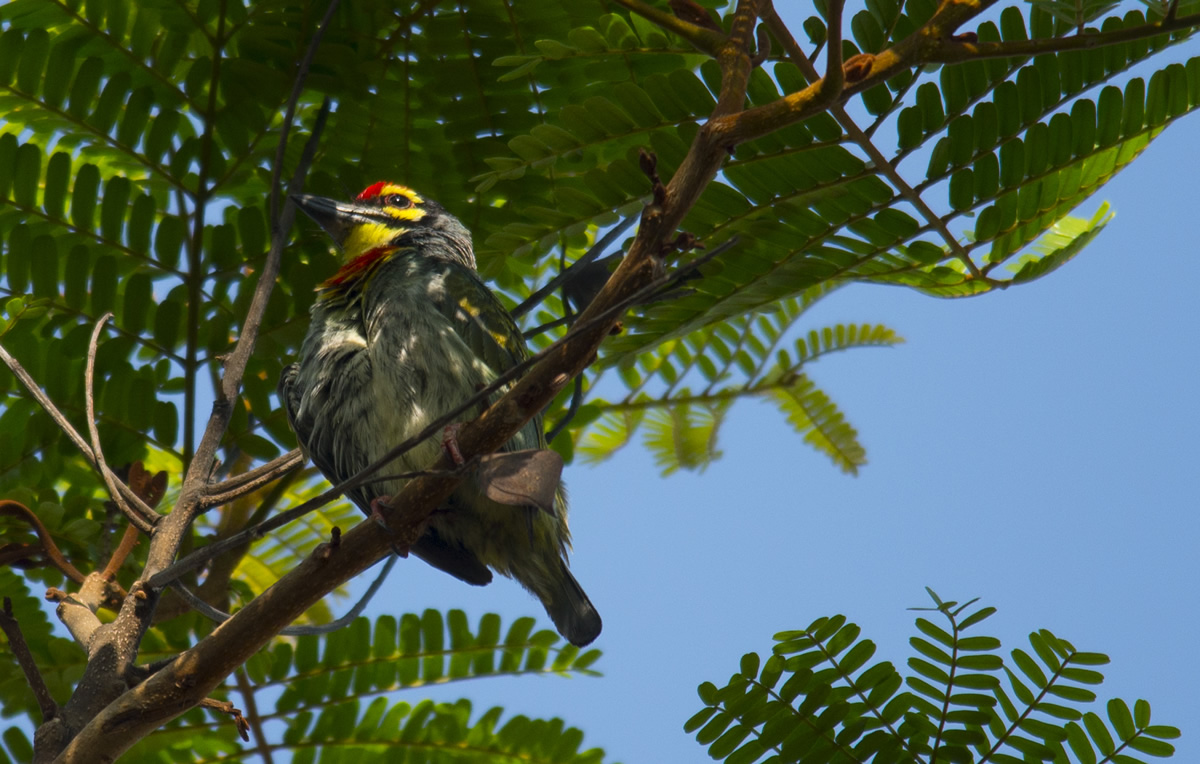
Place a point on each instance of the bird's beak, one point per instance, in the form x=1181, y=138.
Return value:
x=337, y=218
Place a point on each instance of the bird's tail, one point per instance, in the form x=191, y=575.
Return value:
x=569, y=607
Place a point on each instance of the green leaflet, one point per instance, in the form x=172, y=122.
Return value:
x=831, y=702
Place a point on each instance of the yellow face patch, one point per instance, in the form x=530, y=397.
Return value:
x=366, y=237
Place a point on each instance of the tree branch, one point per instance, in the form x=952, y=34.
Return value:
x=250, y=481
x=142, y=511
x=290, y=113
x=192, y=495
x=953, y=51
x=195, y=279
x=20, y=649
x=914, y=50
x=597, y=249
x=881, y=163
x=16, y=509
x=196, y=559
x=261, y=746
x=146, y=525
x=112, y=648
x=705, y=40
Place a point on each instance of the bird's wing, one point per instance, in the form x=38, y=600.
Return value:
x=289, y=396
x=487, y=328
x=316, y=446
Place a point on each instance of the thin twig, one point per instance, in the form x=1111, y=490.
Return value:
x=543, y=328
x=218, y=616
x=576, y=402
x=128, y=541
x=706, y=40
x=146, y=525
x=595, y=251
x=954, y=51
x=226, y=707
x=285, y=128
x=179, y=520
x=262, y=747
x=197, y=558
x=881, y=163
x=17, y=509
x=20, y=650
x=195, y=278
x=89, y=397
x=250, y=481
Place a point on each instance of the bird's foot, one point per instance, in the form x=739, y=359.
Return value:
x=450, y=443
x=378, y=505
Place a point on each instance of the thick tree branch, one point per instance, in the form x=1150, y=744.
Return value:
x=368, y=474
x=190, y=677
x=914, y=50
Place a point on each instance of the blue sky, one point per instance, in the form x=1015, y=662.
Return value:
x=1035, y=448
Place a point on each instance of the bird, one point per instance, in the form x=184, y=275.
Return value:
x=404, y=332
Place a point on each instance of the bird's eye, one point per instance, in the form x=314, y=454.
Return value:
x=398, y=200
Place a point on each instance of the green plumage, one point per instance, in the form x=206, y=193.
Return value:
x=403, y=334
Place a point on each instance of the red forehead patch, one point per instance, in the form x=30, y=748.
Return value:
x=371, y=191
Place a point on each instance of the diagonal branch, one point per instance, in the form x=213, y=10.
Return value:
x=192, y=494
x=193, y=674
x=196, y=559
x=285, y=128
x=597, y=249
x=49, y=548
x=20, y=649
x=250, y=481
x=706, y=40
x=953, y=51
x=881, y=163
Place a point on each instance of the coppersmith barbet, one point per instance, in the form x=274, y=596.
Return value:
x=404, y=332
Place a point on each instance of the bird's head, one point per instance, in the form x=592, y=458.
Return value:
x=386, y=217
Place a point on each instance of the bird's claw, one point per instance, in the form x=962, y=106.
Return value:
x=450, y=443
x=378, y=505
